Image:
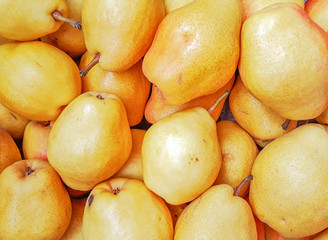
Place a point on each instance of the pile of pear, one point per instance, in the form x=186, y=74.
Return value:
x=164, y=119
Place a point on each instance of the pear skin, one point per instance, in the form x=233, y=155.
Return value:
x=216, y=214
x=37, y=79
x=274, y=69
x=28, y=20
x=318, y=12
x=195, y=50
x=181, y=155
x=171, y=5
x=120, y=31
x=9, y=152
x=272, y=234
x=288, y=190
x=90, y=141
x=256, y=118
x=323, y=117
x=157, y=107
x=131, y=86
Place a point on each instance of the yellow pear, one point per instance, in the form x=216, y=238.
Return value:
x=238, y=151
x=28, y=20
x=195, y=50
x=216, y=214
x=90, y=141
x=133, y=166
x=13, y=123
x=256, y=118
x=37, y=79
x=120, y=31
x=181, y=155
x=318, y=12
x=124, y=208
x=171, y=5
x=68, y=39
x=283, y=61
x=290, y=175
x=9, y=152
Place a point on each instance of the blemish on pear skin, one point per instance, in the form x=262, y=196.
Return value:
x=90, y=199
x=180, y=79
x=116, y=191
x=100, y=97
x=204, y=140
x=13, y=116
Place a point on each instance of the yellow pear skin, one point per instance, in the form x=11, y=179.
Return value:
x=181, y=155
x=216, y=214
x=121, y=31
x=195, y=50
x=318, y=12
x=283, y=61
x=37, y=80
x=256, y=118
x=290, y=175
x=28, y=20
x=90, y=141
x=171, y=5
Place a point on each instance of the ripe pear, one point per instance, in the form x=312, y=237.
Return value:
x=257, y=119
x=120, y=31
x=29, y=20
x=9, y=152
x=13, y=123
x=131, y=86
x=90, y=141
x=171, y=5
x=238, y=151
x=275, y=59
x=290, y=174
x=37, y=79
x=216, y=214
x=318, y=12
x=157, y=107
x=195, y=50
x=252, y=6
x=124, y=208
x=68, y=39
x=181, y=155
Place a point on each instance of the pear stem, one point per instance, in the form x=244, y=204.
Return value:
x=28, y=171
x=302, y=122
x=212, y=108
x=285, y=124
x=59, y=17
x=242, y=188
x=93, y=62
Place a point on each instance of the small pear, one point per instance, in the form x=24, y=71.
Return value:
x=285, y=67
x=294, y=169
x=195, y=50
x=9, y=152
x=318, y=12
x=90, y=141
x=181, y=155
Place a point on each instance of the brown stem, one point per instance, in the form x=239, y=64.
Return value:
x=242, y=188
x=285, y=124
x=93, y=62
x=302, y=122
x=59, y=17
x=212, y=108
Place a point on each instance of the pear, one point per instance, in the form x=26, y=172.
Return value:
x=37, y=80
x=181, y=155
x=90, y=141
x=28, y=20
x=195, y=50
x=257, y=119
x=283, y=61
x=118, y=33
x=219, y=213
x=9, y=151
x=318, y=12
x=290, y=175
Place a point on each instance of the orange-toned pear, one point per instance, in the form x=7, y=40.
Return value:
x=274, y=61
x=37, y=79
x=131, y=86
x=90, y=141
x=124, y=208
x=195, y=50
x=256, y=118
x=70, y=40
x=271, y=234
x=9, y=152
x=120, y=31
x=318, y=12
x=157, y=107
x=13, y=123
x=35, y=204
